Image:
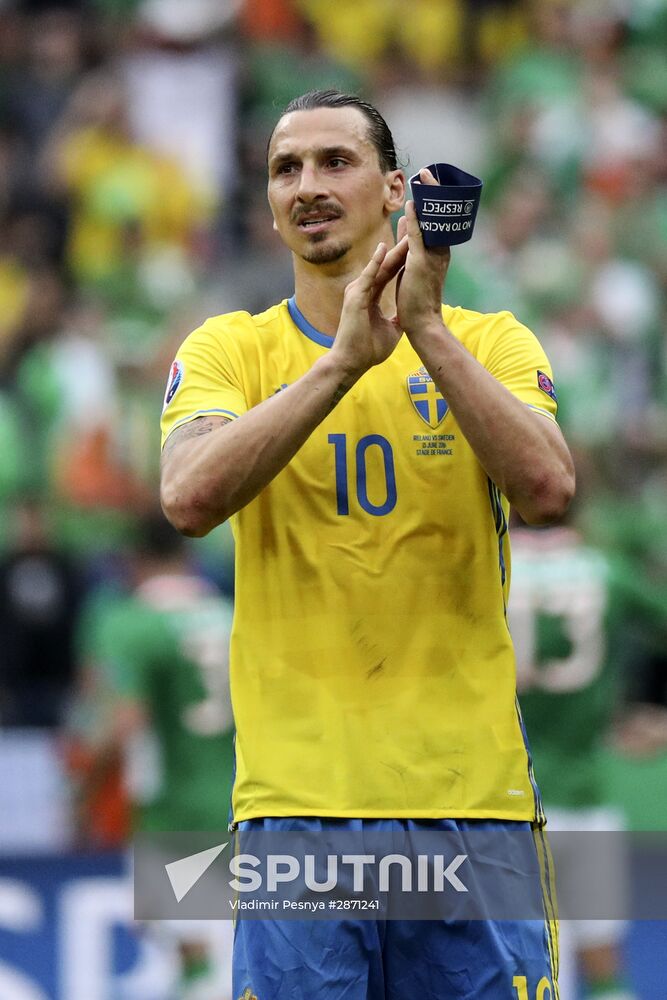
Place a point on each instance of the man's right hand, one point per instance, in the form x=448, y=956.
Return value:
x=365, y=336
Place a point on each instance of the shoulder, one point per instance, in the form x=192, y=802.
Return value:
x=493, y=336
x=233, y=332
x=466, y=322
x=242, y=324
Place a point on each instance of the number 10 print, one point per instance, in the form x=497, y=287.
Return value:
x=339, y=441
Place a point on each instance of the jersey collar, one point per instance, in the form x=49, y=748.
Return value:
x=323, y=339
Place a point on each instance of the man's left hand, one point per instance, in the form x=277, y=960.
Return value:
x=420, y=283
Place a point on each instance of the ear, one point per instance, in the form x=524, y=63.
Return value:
x=394, y=191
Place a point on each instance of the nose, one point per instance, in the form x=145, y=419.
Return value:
x=311, y=184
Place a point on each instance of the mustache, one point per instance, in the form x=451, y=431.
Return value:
x=323, y=208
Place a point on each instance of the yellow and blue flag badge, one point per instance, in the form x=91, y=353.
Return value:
x=427, y=400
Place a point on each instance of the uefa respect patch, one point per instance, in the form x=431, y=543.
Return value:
x=173, y=382
x=446, y=211
x=546, y=385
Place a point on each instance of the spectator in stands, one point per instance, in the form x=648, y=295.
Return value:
x=40, y=590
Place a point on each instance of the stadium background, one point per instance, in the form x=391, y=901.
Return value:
x=132, y=144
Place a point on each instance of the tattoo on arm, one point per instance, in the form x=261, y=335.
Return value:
x=195, y=428
x=342, y=389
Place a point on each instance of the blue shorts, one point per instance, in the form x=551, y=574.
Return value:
x=393, y=959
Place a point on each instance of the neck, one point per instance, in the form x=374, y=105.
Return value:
x=319, y=288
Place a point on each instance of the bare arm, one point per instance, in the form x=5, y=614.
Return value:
x=523, y=452
x=208, y=476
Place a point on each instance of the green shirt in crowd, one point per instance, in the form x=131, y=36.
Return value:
x=166, y=646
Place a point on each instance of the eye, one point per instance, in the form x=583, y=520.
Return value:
x=285, y=168
x=337, y=161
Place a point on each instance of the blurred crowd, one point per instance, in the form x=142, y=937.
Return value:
x=132, y=196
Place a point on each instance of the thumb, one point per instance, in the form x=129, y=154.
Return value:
x=426, y=177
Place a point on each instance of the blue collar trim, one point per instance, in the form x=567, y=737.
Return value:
x=323, y=339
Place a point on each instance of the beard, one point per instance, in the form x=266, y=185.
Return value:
x=325, y=254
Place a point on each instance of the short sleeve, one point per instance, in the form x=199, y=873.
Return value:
x=205, y=378
x=516, y=358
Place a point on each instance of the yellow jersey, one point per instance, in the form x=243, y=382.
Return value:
x=372, y=670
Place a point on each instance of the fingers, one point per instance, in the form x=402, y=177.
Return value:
x=412, y=226
x=426, y=177
x=401, y=229
x=378, y=257
x=414, y=233
x=366, y=280
x=392, y=263
x=399, y=279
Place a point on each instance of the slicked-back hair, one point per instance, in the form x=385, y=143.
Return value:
x=378, y=130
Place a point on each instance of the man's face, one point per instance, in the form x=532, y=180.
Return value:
x=326, y=189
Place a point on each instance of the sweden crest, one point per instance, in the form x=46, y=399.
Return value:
x=427, y=400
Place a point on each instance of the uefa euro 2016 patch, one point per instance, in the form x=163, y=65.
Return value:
x=546, y=385
x=173, y=382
